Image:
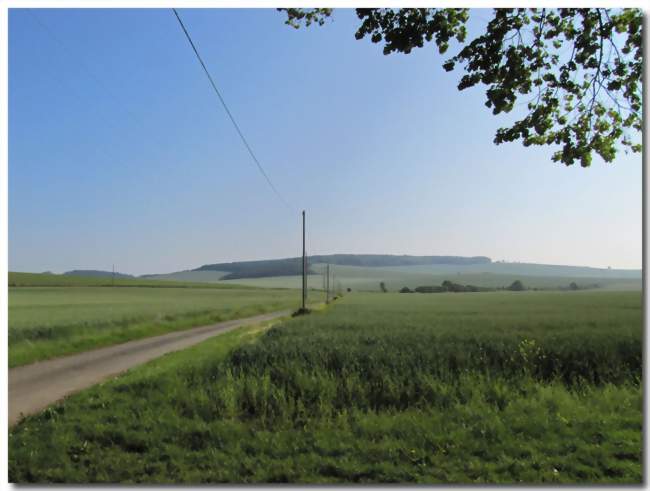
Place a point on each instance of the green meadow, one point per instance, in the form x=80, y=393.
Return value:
x=504, y=387
x=49, y=321
x=46, y=279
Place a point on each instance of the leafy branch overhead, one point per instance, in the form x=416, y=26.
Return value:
x=574, y=75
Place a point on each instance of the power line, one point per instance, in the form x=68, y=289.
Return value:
x=225, y=106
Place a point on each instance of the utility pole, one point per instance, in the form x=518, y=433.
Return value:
x=327, y=295
x=113, y=276
x=304, y=266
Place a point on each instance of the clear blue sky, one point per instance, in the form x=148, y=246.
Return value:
x=119, y=152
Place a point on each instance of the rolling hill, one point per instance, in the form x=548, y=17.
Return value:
x=293, y=265
x=97, y=273
x=359, y=278
x=366, y=271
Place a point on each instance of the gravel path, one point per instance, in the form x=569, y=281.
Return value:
x=34, y=387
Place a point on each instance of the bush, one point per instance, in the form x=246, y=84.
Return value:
x=450, y=286
x=516, y=286
x=430, y=289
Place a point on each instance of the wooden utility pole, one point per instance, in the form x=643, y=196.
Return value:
x=113, y=276
x=304, y=265
x=327, y=296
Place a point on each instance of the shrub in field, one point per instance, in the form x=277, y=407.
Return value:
x=516, y=286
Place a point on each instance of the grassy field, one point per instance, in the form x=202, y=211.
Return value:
x=43, y=279
x=51, y=321
x=532, y=387
x=522, y=269
x=360, y=278
x=203, y=276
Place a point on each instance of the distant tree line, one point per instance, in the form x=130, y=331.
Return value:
x=447, y=286
x=515, y=286
x=258, y=269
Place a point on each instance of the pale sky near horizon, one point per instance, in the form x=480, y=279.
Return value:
x=119, y=152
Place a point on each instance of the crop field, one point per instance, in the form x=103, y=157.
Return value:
x=53, y=321
x=507, y=387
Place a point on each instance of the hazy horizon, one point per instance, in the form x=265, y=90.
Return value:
x=190, y=268
x=119, y=152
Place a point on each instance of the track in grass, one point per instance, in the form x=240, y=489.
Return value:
x=45, y=322
x=33, y=387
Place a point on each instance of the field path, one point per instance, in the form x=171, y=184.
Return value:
x=34, y=387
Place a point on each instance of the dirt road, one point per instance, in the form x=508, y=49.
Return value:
x=36, y=386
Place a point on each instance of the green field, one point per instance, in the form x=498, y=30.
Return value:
x=58, y=320
x=361, y=278
x=43, y=279
x=530, y=387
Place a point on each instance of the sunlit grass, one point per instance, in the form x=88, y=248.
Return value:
x=448, y=388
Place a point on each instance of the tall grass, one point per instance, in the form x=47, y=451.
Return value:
x=503, y=387
x=53, y=321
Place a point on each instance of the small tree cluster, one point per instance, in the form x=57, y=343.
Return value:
x=516, y=286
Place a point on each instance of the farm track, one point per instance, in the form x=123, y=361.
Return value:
x=34, y=387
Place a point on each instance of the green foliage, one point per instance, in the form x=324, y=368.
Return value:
x=494, y=388
x=579, y=71
x=307, y=16
x=51, y=321
x=516, y=286
x=402, y=30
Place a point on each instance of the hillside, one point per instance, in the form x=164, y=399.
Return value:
x=293, y=266
x=256, y=269
x=202, y=276
x=360, y=278
x=365, y=271
x=17, y=279
x=97, y=273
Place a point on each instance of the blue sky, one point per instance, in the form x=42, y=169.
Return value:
x=119, y=152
